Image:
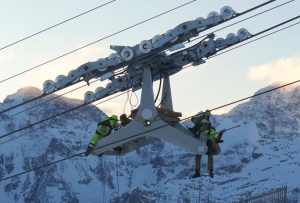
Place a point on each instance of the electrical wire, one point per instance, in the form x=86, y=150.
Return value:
x=94, y=42
x=138, y=134
x=258, y=6
x=159, y=87
x=127, y=98
x=53, y=26
x=72, y=109
x=137, y=100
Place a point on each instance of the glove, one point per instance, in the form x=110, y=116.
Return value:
x=219, y=141
x=222, y=131
x=89, y=149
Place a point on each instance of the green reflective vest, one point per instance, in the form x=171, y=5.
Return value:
x=211, y=134
x=104, y=128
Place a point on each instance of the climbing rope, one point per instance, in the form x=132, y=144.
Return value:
x=117, y=173
x=103, y=184
x=200, y=184
x=209, y=190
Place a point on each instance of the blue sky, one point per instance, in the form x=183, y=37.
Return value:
x=223, y=79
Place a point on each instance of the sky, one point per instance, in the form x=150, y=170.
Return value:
x=228, y=77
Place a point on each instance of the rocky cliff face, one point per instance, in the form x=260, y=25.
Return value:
x=260, y=155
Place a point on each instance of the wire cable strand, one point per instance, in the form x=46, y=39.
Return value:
x=94, y=42
x=184, y=43
x=56, y=115
x=53, y=26
x=14, y=138
x=72, y=109
x=138, y=134
x=241, y=45
x=255, y=15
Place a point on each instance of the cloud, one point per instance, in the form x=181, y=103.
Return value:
x=282, y=70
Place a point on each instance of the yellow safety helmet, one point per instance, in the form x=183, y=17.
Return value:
x=207, y=113
x=114, y=117
x=114, y=120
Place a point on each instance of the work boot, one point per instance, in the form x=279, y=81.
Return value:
x=89, y=149
x=211, y=174
x=118, y=149
x=196, y=174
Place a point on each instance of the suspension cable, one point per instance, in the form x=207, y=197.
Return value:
x=94, y=42
x=53, y=26
x=255, y=15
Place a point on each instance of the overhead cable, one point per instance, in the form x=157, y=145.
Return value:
x=53, y=26
x=72, y=109
x=138, y=134
x=184, y=43
x=255, y=15
x=94, y=42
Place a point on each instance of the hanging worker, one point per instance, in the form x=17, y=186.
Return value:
x=104, y=128
x=201, y=123
x=203, y=129
x=214, y=138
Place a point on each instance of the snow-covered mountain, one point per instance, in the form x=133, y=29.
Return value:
x=260, y=155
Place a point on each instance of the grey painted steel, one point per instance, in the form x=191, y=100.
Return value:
x=132, y=145
x=181, y=33
x=166, y=96
x=147, y=109
x=162, y=63
x=158, y=128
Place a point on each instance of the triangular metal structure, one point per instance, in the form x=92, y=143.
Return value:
x=148, y=125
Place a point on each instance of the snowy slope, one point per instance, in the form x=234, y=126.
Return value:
x=260, y=155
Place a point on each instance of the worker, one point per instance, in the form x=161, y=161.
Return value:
x=203, y=129
x=124, y=119
x=201, y=122
x=104, y=128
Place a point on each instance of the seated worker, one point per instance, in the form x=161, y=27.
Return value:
x=104, y=128
x=203, y=129
x=124, y=120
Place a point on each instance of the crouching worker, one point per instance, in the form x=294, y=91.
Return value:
x=124, y=120
x=104, y=128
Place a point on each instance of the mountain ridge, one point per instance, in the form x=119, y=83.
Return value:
x=260, y=155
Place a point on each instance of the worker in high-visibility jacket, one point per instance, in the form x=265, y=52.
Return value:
x=104, y=128
x=203, y=128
